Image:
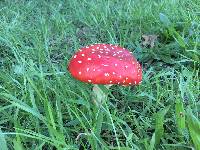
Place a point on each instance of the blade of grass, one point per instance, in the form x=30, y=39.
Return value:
x=18, y=145
x=152, y=143
x=3, y=142
x=194, y=127
x=180, y=115
x=159, y=129
x=16, y=102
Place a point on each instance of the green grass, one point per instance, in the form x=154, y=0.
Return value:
x=43, y=107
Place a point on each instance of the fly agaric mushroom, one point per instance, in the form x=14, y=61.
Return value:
x=105, y=64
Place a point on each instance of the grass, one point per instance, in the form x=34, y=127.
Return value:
x=43, y=107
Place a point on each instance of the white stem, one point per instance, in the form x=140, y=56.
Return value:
x=99, y=95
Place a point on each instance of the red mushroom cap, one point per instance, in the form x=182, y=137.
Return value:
x=105, y=64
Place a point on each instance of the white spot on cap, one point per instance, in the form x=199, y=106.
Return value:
x=120, y=76
x=106, y=74
x=99, y=56
x=126, y=67
x=115, y=64
x=82, y=54
x=88, y=69
x=130, y=83
x=105, y=65
x=110, y=81
x=89, y=59
x=114, y=73
x=89, y=80
x=94, y=69
x=79, y=62
x=75, y=56
x=126, y=78
x=93, y=52
x=80, y=50
x=135, y=82
x=79, y=72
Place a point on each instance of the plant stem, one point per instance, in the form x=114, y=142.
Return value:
x=100, y=94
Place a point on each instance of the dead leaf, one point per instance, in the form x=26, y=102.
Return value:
x=149, y=40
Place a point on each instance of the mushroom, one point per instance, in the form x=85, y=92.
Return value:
x=105, y=64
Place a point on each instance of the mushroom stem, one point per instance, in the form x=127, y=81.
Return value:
x=100, y=94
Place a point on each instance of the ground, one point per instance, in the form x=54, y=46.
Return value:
x=43, y=107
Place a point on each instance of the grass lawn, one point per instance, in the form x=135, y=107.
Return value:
x=43, y=107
